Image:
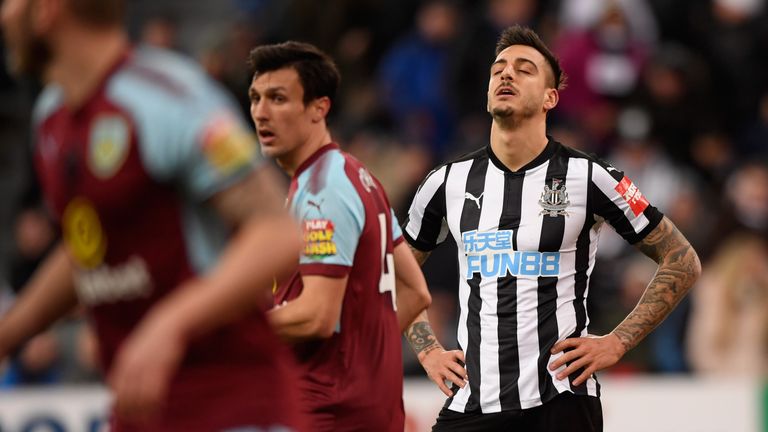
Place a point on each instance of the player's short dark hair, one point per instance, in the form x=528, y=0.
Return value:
x=318, y=74
x=98, y=13
x=520, y=35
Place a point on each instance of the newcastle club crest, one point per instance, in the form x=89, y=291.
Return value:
x=554, y=200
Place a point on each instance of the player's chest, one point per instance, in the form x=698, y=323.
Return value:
x=91, y=156
x=540, y=211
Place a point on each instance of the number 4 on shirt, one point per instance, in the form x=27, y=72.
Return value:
x=387, y=281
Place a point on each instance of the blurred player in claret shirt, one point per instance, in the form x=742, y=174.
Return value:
x=357, y=284
x=147, y=167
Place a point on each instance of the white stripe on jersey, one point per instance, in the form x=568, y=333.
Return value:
x=489, y=320
x=456, y=181
x=528, y=238
x=420, y=202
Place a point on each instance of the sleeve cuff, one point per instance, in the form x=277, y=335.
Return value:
x=420, y=245
x=330, y=270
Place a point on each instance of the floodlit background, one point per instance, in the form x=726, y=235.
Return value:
x=674, y=92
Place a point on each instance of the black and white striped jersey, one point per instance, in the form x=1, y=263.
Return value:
x=526, y=248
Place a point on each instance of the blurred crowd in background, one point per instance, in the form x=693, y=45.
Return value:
x=673, y=92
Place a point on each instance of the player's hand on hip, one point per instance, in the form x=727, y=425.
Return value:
x=592, y=353
x=442, y=365
x=143, y=369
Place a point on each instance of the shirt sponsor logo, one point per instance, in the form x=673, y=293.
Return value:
x=226, y=146
x=108, y=145
x=489, y=254
x=632, y=196
x=108, y=284
x=318, y=238
x=83, y=234
x=516, y=263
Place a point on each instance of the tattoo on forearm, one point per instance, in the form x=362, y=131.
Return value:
x=420, y=256
x=679, y=267
x=422, y=338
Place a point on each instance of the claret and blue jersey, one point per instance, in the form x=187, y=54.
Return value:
x=349, y=230
x=127, y=176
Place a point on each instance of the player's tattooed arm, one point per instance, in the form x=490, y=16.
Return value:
x=440, y=365
x=679, y=267
x=419, y=334
x=421, y=337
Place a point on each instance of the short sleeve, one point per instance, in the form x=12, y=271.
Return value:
x=189, y=130
x=426, y=227
x=332, y=220
x=619, y=201
x=397, y=233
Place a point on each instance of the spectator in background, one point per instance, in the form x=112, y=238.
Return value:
x=744, y=207
x=414, y=78
x=604, y=63
x=733, y=37
x=160, y=32
x=222, y=58
x=754, y=141
x=728, y=330
x=675, y=89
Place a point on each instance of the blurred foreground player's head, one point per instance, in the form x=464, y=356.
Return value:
x=292, y=91
x=34, y=30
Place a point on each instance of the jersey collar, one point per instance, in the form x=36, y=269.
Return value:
x=544, y=156
x=315, y=156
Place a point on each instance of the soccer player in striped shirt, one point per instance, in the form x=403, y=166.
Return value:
x=339, y=305
x=526, y=213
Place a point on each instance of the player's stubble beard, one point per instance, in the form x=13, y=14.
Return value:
x=509, y=118
x=32, y=54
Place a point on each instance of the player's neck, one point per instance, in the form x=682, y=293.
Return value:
x=82, y=58
x=291, y=162
x=518, y=145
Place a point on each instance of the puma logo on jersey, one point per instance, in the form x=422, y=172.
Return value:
x=469, y=196
x=315, y=204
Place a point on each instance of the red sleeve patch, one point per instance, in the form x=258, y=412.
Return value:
x=632, y=196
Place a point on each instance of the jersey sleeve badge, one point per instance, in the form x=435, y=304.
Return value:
x=632, y=196
x=318, y=238
x=226, y=146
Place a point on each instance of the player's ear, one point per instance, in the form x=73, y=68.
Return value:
x=551, y=98
x=319, y=108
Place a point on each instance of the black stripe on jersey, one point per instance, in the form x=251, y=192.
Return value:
x=506, y=294
x=552, y=232
x=613, y=215
x=470, y=220
x=427, y=239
